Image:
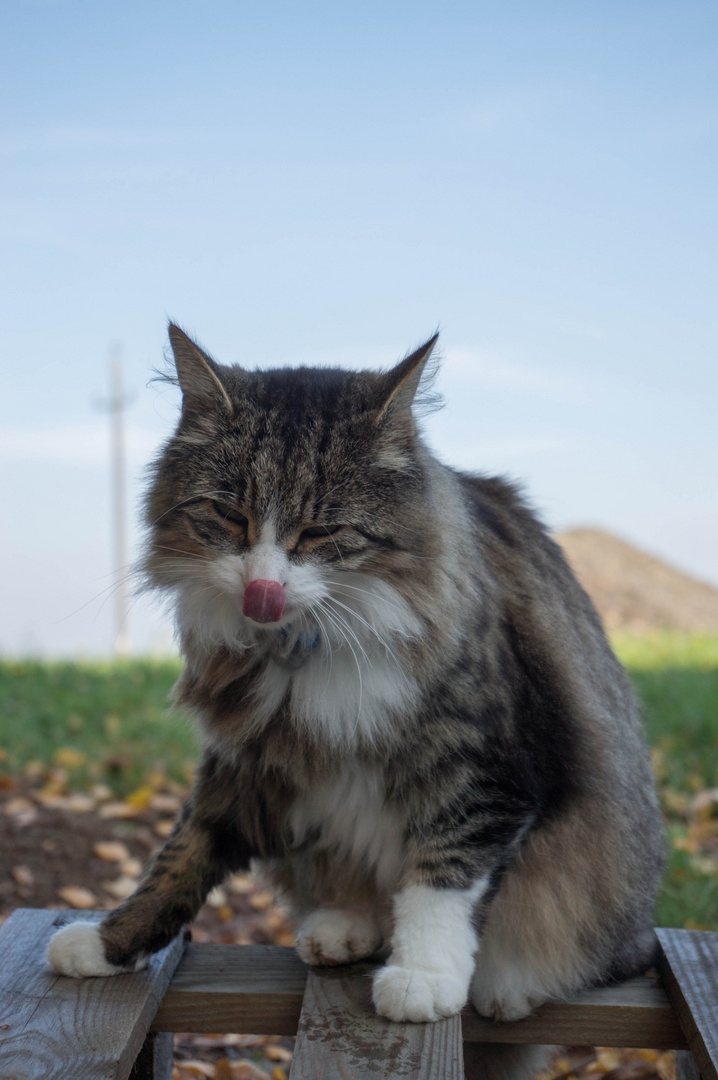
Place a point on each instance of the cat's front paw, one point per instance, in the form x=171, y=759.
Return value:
x=420, y=996
x=332, y=937
x=79, y=951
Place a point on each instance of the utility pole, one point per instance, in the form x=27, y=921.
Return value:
x=115, y=406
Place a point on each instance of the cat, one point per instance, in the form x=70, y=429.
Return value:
x=411, y=714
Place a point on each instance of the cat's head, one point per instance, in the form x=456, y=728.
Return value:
x=291, y=501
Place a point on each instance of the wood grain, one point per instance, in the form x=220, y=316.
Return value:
x=690, y=973
x=71, y=1029
x=258, y=989
x=341, y=1038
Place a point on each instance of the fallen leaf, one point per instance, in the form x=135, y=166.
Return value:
x=164, y=828
x=69, y=758
x=121, y=888
x=278, y=1053
x=244, y=1070
x=23, y=875
x=217, y=897
x=197, y=1068
x=101, y=792
x=131, y=866
x=139, y=799
x=170, y=803
x=241, y=883
x=77, y=897
x=7, y=783
x=636, y=1070
x=79, y=804
x=118, y=810
x=18, y=805
x=261, y=901
x=111, y=850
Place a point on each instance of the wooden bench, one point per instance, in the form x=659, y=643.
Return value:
x=97, y=1029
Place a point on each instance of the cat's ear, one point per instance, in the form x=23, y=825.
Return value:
x=401, y=383
x=197, y=373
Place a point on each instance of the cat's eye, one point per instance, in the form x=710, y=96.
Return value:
x=319, y=531
x=228, y=513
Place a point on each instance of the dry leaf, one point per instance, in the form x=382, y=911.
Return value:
x=261, y=901
x=79, y=804
x=241, y=883
x=139, y=799
x=7, y=783
x=164, y=828
x=23, y=875
x=69, y=758
x=244, y=1070
x=121, y=888
x=111, y=850
x=636, y=1070
x=278, y=1053
x=118, y=810
x=101, y=792
x=217, y=897
x=193, y=1068
x=132, y=867
x=170, y=803
x=77, y=897
x=18, y=805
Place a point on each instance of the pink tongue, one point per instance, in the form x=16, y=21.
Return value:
x=264, y=600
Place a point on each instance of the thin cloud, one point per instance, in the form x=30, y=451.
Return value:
x=83, y=444
x=476, y=368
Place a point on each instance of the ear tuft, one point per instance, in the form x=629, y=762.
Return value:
x=402, y=382
x=198, y=375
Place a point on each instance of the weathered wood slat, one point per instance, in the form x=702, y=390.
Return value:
x=255, y=989
x=690, y=974
x=71, y=1029
x=258, y=989
x=341, y=1038
x=634, y=1013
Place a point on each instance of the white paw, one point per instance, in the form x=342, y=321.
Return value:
x=420, y=996
x=78, y=950
x=337, y=937
x=505, y=1004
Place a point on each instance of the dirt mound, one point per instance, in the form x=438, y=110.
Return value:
x=634, y=590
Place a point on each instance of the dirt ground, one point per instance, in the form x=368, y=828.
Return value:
x=60, y=849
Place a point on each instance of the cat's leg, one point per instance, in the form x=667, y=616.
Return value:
x=199, y=853
x=433, y=945
x=337, y=936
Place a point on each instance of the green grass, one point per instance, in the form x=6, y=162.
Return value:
x=676, y=676
x=116, y=715
x=114, y=720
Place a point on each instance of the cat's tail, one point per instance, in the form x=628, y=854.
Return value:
x=504, y=1061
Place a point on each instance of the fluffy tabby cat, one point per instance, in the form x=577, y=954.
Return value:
x=410, y=712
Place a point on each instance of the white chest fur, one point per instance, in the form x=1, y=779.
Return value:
x=350, y=816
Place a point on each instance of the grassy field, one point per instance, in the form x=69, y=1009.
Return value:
x=111, y=723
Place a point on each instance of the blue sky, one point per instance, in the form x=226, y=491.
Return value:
x=331, y=182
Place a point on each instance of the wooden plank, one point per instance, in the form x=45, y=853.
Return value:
x=635, y=1013
x=154, y=1061
x=258, y=989
x=340, y=1037
x=686, y=1068
x=71, y=1029
x=690, y=973
x=253, y=989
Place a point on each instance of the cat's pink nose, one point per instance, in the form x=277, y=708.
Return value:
x=263, y=600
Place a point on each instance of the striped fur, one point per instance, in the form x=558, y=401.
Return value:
x=434, y=746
